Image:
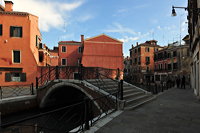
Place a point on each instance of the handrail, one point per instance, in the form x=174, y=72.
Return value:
x=89, y=115
x=16, y=90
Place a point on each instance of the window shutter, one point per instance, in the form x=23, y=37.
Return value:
x=23, y=77
x=11, y=31
x=36, y=41
x=7, y=77
x=21, y=31
x=1, y=29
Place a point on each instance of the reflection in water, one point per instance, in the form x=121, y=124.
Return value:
x=56, y=121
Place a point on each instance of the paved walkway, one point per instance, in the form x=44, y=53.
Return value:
x=175, y=111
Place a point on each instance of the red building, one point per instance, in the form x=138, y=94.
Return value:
x=70, y=53
x=103, y=51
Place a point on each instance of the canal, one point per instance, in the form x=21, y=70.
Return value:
x=51, y=120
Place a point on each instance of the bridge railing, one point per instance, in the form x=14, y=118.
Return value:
x=16, y=90
x=99, y=77
x=80, y=116
x=48, y=74
x=94, y=75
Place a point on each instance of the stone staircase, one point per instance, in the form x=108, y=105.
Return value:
x=133, y=95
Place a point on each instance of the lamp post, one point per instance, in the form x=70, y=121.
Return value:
x=174, y=11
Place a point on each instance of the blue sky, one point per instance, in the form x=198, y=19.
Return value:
x=130, y=21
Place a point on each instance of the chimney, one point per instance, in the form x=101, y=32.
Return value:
x=137, y=43
x=82, y=39
x=8, y=6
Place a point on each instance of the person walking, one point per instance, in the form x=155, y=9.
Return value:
x=183, y=82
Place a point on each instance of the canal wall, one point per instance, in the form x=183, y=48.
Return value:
x=17, y=104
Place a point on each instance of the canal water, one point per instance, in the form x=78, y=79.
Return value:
x=52, y=120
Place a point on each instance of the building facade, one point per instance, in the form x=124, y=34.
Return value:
x=20, y=41
x=193, y=29
x=70, y=53
x=103, y=51
x=172, y=61
x=142, y=58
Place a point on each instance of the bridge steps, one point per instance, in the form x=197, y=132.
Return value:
x=133, y=95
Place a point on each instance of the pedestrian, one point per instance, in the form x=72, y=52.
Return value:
x=183, y=82
x=178, y=81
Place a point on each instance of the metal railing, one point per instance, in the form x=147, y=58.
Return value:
x=94, y=75
x=16, y=90
x=49, y=74
x=81, y=116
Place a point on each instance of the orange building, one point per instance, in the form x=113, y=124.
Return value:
x=20, y=40
x=142, y=56
x=54, y=56
x=70, y=53
x=103, y=51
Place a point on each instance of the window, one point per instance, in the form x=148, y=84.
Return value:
x=147, y=49
x=135, y=60
x=63, y=49
x=148, y=69
x=15, y=31
x=15, y=77
x=135, y=50
x=139, y=50
x=79, y=61
x=169, y=55
x=130, y=61
x=1, y=29
x=16, y=56
x=147, y=60
x=174, y=54
x=64, y=62
x=130, y=53
x=80, y=50
x=169, y=67
x=175, y=66
x=139, y=61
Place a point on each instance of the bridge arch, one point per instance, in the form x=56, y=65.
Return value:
x=63, y=91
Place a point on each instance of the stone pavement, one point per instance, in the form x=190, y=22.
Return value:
x=174, y=111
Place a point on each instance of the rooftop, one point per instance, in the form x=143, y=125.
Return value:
x=69, y=42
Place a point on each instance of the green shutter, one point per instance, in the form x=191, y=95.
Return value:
x=36, y=41
x=1, y=29
x=11, y=31
x=21, y=31
x=23, y=77
x=7, y=77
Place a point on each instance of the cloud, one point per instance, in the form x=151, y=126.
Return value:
x=51, y=14
x=118, y=28
x=127, y=39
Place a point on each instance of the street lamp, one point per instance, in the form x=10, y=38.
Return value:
x=193, y=10
x=174, y=11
